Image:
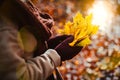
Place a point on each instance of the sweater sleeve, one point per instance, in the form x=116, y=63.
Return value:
x=14, y=67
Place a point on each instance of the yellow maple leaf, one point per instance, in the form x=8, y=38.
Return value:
x=81, y=28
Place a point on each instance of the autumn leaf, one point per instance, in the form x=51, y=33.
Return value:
x=81, y=28
x=111, y=62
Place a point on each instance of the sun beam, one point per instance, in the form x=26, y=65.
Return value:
x=101, y=14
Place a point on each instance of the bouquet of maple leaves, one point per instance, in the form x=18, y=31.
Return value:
x=81, y=28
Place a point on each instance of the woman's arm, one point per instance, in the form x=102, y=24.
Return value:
x=14, y=67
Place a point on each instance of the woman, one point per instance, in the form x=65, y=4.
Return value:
x=26, y=50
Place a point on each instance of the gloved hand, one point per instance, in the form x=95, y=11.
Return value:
x=53, y=42
x=65, y=51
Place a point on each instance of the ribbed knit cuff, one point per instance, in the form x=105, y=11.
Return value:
x=54, y=56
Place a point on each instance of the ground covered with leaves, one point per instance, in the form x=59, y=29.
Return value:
x=100, y=60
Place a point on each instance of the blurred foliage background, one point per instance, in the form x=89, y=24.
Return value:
x=101, y=59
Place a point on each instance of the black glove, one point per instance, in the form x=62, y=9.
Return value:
x=65, y=51
x=53, y=42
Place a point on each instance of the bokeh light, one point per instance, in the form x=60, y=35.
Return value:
x=101, y=59
x=102, y=14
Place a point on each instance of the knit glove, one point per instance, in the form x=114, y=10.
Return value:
x=66, y=51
